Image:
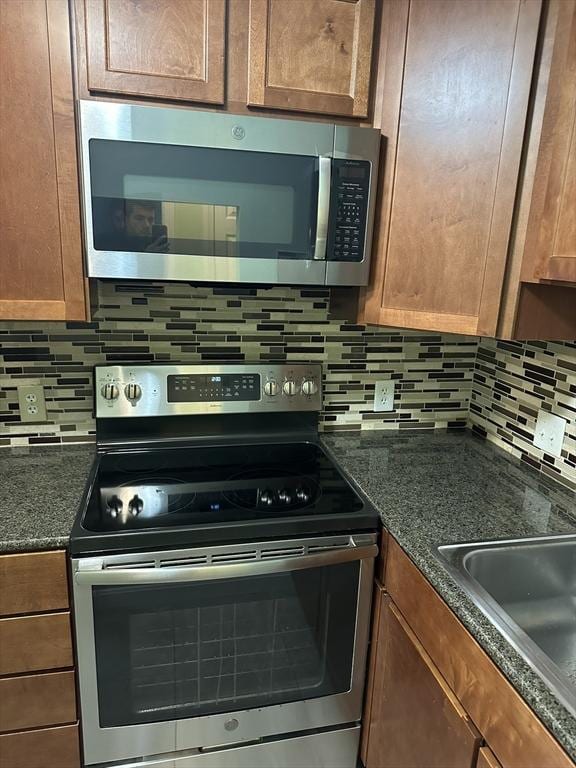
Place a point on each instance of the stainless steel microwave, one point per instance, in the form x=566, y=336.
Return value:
x=175, y=194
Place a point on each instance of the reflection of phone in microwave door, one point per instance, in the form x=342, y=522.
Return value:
x=158, y=231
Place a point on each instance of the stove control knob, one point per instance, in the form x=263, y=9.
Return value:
x=114, y=505
x=271, y=388
x=309, y=387
x=109, y=392
x=302, y=496
x=133, y=392
x=135, y=506
x=285, y=496
x=266, y=498
x=290, y=388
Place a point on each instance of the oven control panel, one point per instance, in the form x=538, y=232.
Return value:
x=349, y=199
x=172, y=390
x=213, y=387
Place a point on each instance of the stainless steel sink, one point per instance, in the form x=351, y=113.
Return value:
x=527, y=588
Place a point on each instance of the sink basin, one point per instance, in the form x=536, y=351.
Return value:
x=527, y=588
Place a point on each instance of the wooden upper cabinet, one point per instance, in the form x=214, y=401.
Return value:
x=40, y=243
x=168, y=49
x=311, y=56
x=415, y=719
x=452, y=98
x=539, y=300
x=550, y=248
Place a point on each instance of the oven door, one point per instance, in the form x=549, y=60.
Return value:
x=173, y=194
x=206, y=647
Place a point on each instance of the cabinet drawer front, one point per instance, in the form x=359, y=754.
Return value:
x=34, y=643
x=33, y=749
x=516, y=736
x=33, y=701
x=32, y=583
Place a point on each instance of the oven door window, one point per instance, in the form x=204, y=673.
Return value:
x=190, y=649
x=194, y=201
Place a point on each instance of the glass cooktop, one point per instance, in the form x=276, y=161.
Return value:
x=195, y=486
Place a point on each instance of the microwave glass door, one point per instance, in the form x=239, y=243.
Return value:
x=167, y=199
x=181, y=650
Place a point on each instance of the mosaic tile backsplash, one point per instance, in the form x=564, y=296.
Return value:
x=512, y=382
x=495, y=387
x=184, y=323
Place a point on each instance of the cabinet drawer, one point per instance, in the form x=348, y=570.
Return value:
x=32, y=701
x=33, y=583
x=34, y=643
x=57, y=747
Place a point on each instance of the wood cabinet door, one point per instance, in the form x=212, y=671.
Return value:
x=311, y=56
x=550, y=247
x=168, y=49
x=452, y=98
x=415, y=718
x=40, y=244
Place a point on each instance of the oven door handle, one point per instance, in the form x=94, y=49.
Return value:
x=323, y=209
x=168, y=575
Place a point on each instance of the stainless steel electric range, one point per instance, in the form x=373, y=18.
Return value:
x=222, y=571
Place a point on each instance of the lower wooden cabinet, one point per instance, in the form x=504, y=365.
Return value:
x=29, y=701
x=45, y=748
x=38, y=713
x=416, y=720
x=434, y=698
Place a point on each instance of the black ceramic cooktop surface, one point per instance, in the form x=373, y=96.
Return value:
x=217, y=492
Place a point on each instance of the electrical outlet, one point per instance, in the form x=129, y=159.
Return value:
x=549, y=434
x=384, y=395
x=32, y=403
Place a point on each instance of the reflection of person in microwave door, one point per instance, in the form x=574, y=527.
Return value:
x=133, y=228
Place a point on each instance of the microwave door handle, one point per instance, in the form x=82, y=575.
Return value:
x=323, y=211
x=171, y=575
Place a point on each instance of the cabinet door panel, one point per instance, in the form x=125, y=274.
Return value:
x=171, y=49
x=40, y=252
x=313, y=57
x=551, y=233
x=416, y=720
x=454, y=147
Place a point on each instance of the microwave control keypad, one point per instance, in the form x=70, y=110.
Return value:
x=350, y=190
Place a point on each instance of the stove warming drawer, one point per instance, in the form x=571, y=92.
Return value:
x=337, y=749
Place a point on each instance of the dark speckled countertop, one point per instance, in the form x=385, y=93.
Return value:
x=40, y=492
x=431, y=488
x=437, y=488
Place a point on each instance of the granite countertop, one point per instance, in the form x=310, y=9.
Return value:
x=430, y=488
x=40, y=493
x=445, y=487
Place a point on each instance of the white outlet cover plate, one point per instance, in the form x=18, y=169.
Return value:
x=384, y=395
x=549, y=435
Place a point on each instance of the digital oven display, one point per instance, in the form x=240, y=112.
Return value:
x=203, y=388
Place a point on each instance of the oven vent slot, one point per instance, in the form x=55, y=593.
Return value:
x=324, y=547
x=183, y=562
x=130, y=566
x=268, y=554
x=234, y=557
